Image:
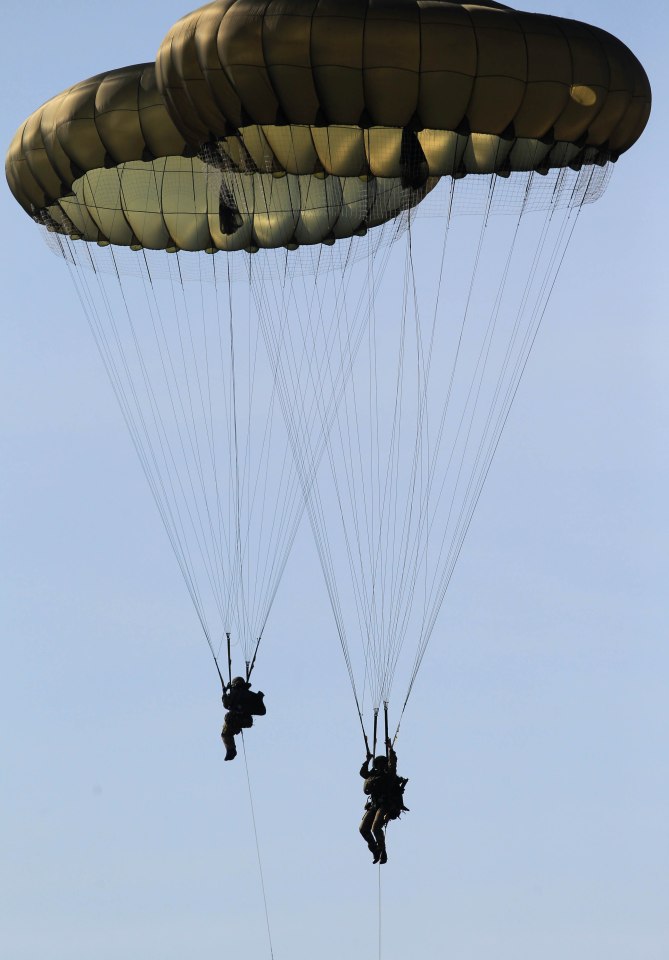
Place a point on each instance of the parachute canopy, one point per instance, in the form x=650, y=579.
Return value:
x=332, y=95
x=483, y=87
x=266, y=125
x=104, y=162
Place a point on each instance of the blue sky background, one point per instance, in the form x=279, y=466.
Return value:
x=538, y=737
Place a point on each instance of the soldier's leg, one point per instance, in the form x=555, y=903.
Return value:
x=228, y=738
x=366, y=831
x=378, y=833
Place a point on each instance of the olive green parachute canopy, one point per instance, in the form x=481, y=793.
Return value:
x=104, y=162
x=269, y=124
x=338, y=85
x=288, y=122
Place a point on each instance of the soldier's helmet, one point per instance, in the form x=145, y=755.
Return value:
x=380, y=764
x=238, y=682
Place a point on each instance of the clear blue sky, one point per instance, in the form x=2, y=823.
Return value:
x=538, y=738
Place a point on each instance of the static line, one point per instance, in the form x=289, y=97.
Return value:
x=255, y=833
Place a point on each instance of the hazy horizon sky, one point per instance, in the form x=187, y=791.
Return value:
x=537, y=740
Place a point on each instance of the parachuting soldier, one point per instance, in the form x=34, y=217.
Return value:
x=242, y=704
x=385, y=790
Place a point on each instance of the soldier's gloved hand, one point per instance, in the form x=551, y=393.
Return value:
x=260, y=693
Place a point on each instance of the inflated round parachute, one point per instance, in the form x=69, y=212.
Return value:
x=104, y=162
x=374, y=86
x=368, y=377
x=362, y=106
x=132, y=207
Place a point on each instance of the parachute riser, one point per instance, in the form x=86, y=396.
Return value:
x=218, y=671
x=249, y=667
x=375, y=735
x=250, y=664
